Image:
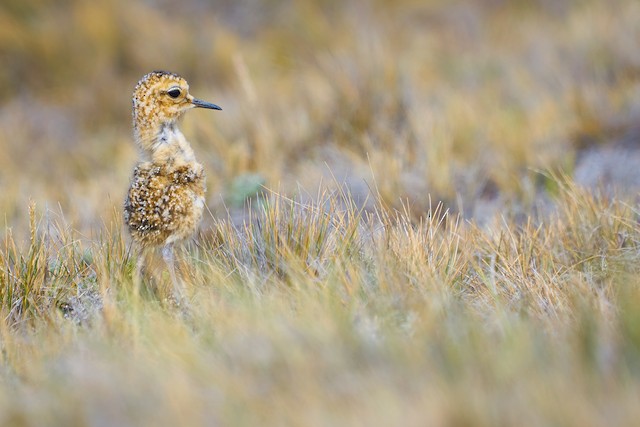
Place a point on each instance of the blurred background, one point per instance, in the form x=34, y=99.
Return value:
x=466, y=102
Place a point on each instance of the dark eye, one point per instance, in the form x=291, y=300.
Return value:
x=174, y=93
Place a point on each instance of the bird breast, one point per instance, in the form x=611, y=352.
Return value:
x=164, y=204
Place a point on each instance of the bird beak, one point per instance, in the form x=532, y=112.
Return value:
x=203, y=104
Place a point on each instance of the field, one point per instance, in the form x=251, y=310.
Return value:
x=420, y=213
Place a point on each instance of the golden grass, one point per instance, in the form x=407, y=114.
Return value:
x=319, y=314
x=388, y=244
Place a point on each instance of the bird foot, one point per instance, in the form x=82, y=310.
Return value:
x=178, y=299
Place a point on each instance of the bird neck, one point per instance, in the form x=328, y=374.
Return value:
x=164, y=144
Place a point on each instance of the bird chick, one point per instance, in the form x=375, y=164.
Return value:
x=165, y=200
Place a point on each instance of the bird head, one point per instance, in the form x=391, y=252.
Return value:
x=162, y=97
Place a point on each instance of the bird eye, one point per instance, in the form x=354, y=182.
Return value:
x=174, y=93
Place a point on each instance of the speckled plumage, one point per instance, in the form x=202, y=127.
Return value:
x=164, y=204
x=165, y=201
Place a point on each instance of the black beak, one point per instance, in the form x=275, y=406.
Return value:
x=204, y=104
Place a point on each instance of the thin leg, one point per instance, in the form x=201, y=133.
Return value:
x=167, y=255
x=137, y=274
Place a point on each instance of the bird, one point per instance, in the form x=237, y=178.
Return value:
x=165, y=200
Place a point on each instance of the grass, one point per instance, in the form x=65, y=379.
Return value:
x=318, y=314
x=395, y=233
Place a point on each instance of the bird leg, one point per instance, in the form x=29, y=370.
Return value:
x=137, y=274
x=167, y=255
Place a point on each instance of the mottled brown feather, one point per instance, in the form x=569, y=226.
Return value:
x=165, y=201
x=164, y=205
